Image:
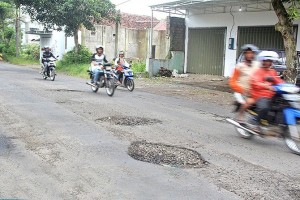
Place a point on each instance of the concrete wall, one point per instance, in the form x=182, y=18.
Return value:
x=196, y=20
x=133, y=42
x=176, y=62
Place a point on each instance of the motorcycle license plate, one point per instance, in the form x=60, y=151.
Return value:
x=108, y=68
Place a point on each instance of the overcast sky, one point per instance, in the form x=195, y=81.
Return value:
x=140, y=7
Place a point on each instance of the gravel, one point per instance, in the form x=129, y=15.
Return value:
x=129, y=121
x=163, y=154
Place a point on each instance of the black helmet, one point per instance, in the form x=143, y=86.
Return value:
x=250, y=47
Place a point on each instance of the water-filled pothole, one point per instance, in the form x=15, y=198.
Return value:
x=129, y=121
x=162, y=154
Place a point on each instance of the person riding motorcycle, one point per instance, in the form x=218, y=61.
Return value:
x=261, y=82
x=120, y=62
x=98, y=59
x=240, y=80
x=46, y=55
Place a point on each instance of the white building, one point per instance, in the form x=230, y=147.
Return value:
x=33, y=32
x=216, y=29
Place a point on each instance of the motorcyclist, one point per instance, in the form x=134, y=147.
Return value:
x=120, y=63
x=262, y=90
x=45, y=58
x=240, y=80
x=98, y=59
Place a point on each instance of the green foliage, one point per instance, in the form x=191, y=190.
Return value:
x=82, y=56
x=78, y=70
x=292, y=8
x=20, y=60
x=70, y=14
x=138, y=66
x=31, y=51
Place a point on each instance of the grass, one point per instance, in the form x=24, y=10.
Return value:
x=78, y=70
x=21, y=60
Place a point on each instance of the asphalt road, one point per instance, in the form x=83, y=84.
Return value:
x=54, y=144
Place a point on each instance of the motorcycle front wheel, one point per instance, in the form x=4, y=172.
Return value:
x=130, y=84
x=52, y=74
x=110, y=87
x=292, y=139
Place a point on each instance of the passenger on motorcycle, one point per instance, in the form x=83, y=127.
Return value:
x=262, y=80
x=240, y=80
x=120, y=63
x=46, y=55
x=98, y=59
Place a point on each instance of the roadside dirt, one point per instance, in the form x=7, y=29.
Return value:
x=196, y=87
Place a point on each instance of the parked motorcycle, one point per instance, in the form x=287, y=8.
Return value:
x=127, y=80
x=106, y=79
x=51, y=72
x=283, y=118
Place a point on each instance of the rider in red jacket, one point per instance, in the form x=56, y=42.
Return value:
x=261, y=84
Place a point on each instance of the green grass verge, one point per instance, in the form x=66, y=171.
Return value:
x=21, y=60
x=78, y=70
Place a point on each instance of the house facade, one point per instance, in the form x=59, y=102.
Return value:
x=216, y=30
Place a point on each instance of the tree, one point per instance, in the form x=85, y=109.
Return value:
x=69, y=14
x=5, y=13
x=286, y=16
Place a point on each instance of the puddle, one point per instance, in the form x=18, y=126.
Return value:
x=129, y=121
x=166, y=155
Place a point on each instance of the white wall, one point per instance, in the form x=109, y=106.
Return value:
x=265, y=18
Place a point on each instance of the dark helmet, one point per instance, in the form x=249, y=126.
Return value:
x=46, y=48
x=99, y=47
x=250, y=47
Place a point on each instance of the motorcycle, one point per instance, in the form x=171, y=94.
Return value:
x=283, y=117
x=127, y=80
x=51, y=72
x=106, y=80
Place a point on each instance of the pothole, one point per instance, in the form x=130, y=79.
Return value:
x=295, y=194
x=64, y=90
x=129, y=121
x=6, y=145
x=166, y=155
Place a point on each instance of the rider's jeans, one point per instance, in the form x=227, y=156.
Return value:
x=45, y=67
x=263, y=107
x=96, y=75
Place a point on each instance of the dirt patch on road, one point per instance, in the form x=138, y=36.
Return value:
x=129, y=121
x=196, y=87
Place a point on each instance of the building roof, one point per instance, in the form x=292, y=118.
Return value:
x=161, y=26
x=213, y=6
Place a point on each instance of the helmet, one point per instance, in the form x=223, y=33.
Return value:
x=46, y=48
x=99, y=47
x=268, y=55
x=250, y=47
x=121, y=52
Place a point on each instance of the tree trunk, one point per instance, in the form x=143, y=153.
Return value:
x=82, y=29
x=17, y=32
x=285, y=27
x=76, y=40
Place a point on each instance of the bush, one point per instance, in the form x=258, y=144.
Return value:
x=31, y=51
x=82, y=56
x=138, y=66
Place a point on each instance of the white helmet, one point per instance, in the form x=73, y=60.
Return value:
x=99, y=47
x=268, y=55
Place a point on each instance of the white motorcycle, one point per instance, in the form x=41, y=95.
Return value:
x=51, y=71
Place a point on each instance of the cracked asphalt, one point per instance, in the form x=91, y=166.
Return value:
x=54, y=145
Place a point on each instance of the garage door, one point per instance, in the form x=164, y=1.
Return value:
x=205, y=53
x=264, y=37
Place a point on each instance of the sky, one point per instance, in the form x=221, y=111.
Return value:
x=140, y=7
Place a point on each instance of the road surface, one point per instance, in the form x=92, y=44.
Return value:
x=54, y=144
